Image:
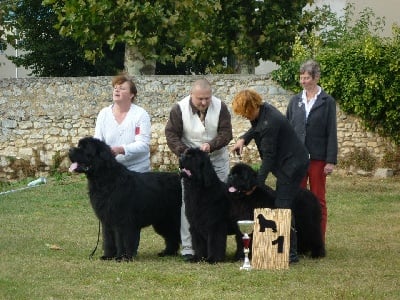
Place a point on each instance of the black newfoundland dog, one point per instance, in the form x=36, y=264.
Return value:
x=207, y=206
x=126, y=201
x=246, y=195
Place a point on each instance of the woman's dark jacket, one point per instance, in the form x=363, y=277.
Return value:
x=319, y=131
x=281, y=151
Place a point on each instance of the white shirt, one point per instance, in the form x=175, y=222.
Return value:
x=133, y=134
x=309, y=104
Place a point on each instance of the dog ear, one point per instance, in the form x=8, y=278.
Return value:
x=250, y=176
x=207, y=171
x=107, y=157
x=102, y=153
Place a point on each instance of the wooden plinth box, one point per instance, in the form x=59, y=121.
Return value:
x=271, y=238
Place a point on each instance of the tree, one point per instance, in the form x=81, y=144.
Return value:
x=190, y=32
x=253, y=30
x=46, y=52
x=5, y=24
x=148, y=28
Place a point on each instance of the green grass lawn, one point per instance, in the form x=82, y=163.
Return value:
x=363, y=250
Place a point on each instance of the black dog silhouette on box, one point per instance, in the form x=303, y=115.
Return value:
x=265, y=224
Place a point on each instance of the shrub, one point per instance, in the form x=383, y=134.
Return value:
x=361, y=159
x=391, y=159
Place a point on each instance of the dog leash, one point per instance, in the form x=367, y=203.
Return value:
x=97, y=244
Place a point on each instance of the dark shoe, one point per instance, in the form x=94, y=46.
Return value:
x=293, y=260
x=188, y=257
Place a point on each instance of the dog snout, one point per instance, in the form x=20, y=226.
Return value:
x=71, y=152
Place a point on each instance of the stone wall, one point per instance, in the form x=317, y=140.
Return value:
x=41, y=118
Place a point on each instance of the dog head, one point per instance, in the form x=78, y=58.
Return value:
x=242, y=179
x=90, y=155
x=196, y=166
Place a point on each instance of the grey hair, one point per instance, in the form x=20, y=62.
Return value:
x=311, y=67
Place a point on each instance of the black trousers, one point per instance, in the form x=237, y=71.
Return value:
x=286, y=191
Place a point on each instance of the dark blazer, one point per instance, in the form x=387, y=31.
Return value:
x=319, y=131
x=281, y=151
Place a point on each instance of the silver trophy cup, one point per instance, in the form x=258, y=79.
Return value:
x=246, y=227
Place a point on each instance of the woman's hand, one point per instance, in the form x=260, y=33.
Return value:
x=117, y=150
x=238, y=147
x=328, y=169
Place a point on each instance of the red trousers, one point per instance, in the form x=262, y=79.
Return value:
x=316, y=179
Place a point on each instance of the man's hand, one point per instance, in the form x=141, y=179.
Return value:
x=205, y=147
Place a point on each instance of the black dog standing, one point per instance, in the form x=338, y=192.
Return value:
x=207, y=206
x=126, y=201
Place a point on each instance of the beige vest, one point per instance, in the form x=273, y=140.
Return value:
x=195, y=133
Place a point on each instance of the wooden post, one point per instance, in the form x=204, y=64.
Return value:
x=271, y=238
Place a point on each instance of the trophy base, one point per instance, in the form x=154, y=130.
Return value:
x=246, y=265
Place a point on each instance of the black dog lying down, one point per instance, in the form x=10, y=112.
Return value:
x=247, y=195
x=125, y=201
x=207, y=206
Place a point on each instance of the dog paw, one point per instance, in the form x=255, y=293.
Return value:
x=104, y=257
x=213, y=261
x=239, y=256
x=166, y=253
x=124, y=258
